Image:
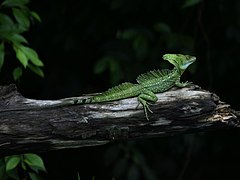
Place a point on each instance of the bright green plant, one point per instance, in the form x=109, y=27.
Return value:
x=15, y=19
x=25, y=166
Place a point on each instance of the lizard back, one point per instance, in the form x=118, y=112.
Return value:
x=159, y=80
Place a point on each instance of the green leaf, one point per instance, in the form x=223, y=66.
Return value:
x=17, y=38
x=15, y=3
x=13, y=174
x=32, y=55
x=34, y=176
x=21, y=18
x=36, y=16
x=2, y=53
x=5, y=20
x=189, y=3
x=36, y=70
x=34, y=160
x=12, y=162
x=17, y=73
x=21, y=56
x=7, y=30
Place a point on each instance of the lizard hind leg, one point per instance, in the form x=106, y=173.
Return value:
x=144, y=99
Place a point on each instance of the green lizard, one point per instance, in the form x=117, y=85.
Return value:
x=155, y=81
x=149, y=83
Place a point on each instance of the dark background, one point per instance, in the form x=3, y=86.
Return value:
x=89, y=46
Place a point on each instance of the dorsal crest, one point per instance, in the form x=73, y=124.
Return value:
x=118, y=88
x=152, y=75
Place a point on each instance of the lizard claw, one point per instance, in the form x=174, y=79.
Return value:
x=148, y=107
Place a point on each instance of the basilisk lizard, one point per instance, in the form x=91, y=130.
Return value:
x=149, y=83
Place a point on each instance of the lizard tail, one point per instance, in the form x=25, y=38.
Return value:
x=84, y=101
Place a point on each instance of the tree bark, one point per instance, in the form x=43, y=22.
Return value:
x=26, y=126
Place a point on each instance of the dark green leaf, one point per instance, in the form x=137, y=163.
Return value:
x=5, y=20
x=2, y=170
x=15, y=3
x=34, y=176
x=35, y=169
x=2, y=53
x=21, y=17
x=17, y=38
x=189, y=3
x=17, y=73
x=36, y=70
x=36, y=16
x=12, y=162
x=7, y=30
x=13, y=174
x=34, y=160
x=32, y=55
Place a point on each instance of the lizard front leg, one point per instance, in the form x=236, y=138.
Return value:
x=144, y=97
x=182, y=84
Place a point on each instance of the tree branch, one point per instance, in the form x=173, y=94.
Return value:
x=33, y=128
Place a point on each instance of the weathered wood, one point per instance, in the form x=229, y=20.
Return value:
x=33, y=128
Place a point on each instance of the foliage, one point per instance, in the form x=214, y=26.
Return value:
x=15, y=19
x=142, y=44
x=25, y=166
x=128, y=162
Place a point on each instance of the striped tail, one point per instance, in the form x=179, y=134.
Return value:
x=121, y=91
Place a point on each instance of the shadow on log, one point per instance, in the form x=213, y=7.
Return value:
x=27, y=126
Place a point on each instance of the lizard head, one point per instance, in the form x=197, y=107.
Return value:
x=179, y=60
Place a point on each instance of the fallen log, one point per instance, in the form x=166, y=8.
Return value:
x=26, y=125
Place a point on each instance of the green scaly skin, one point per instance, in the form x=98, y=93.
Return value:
x=152, y=82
